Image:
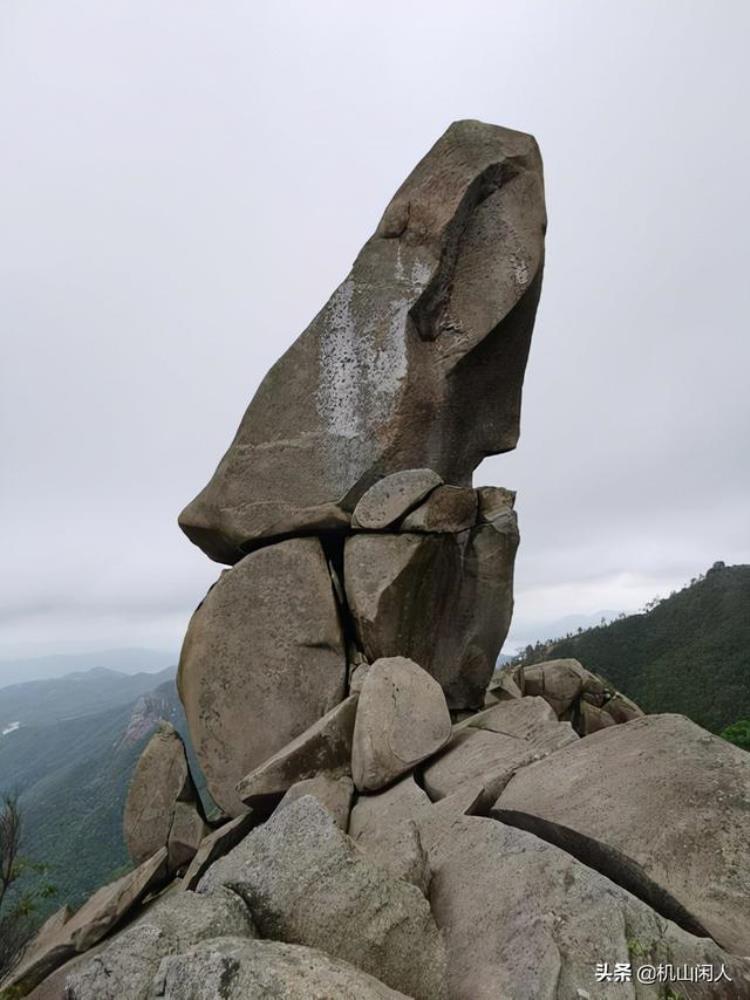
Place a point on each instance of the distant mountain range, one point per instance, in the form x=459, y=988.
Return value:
x=689, y=653
x=19, y=670
x=72, y=747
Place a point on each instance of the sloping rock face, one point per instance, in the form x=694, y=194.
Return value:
x=416, y=361
x=238, y=969
x=262, y=660
x=546, y=920
x=661, y=806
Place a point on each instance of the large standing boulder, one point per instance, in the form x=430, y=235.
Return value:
x=262, y=660
x=443, y=600
x=525, y=920
x=160, y=781
x=416, y=361
x=402, y=718
x=305, y=882
x=660, y=806
x=240, y=969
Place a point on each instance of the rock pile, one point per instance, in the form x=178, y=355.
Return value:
x=397, y=823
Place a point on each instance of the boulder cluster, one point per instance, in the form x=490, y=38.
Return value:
x=395, y=818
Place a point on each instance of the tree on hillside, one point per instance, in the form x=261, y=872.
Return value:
x=738, y=733
x=17, y=903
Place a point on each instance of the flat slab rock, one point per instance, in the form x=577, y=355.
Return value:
x=416, y=361
x=263, y=659
x=238, y=969
x=216, y=844
x=305, y=882
x=390, y=498
x=402, y=718
x=324, y=746
x=483, y=756
x=523, y=919
x=661, y=806
x=125, y=967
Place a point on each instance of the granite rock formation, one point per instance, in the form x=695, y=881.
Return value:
x=400, y=822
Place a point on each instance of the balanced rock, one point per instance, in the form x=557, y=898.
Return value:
x=660, y=806
x=446, y=509
x=305, y=882
x=402, y=719
x=325, y=746
x=416, y=361
x=390, y=498
x=443, y=600
x=524, y=920
x=263, y=659
x=241, y=969
x=125, y=967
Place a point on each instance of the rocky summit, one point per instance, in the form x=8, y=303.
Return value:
x=397, y=818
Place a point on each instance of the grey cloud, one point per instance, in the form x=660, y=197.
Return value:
x=182, y=188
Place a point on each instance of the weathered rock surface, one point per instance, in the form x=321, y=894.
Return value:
x=446, y=509
x=374, y=815
x=334, y=793
x=494, y=502
x=524, y=920
x=525, y=718
x=445, y=601
x=98, y=915
x=390, y=498
x=262, y=660
x=241, y=969
x=491, y=758
x=161, y=780
x=187, y=832
x=400, y=853
x=402, y=719
x=125, y=968
x=325, y=746
x=216, y=844
x=416, y=361
x=305, y=882
x=660, y=806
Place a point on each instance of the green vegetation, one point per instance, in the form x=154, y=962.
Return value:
x=738, y=733
x=688, y=653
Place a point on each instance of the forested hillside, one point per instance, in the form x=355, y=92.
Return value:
x=688, y=653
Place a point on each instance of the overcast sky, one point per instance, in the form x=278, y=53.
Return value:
x=182, y=186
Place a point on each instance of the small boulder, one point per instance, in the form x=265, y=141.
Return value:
x=402, y=719
x=374, y=815
x=494, y=502
x=241, y=969
x=325, y=746
x=390, y=498
x=334, y=793
x=446, y=509
x=306, y=882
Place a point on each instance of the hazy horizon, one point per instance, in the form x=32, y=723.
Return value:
x=182, y=191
